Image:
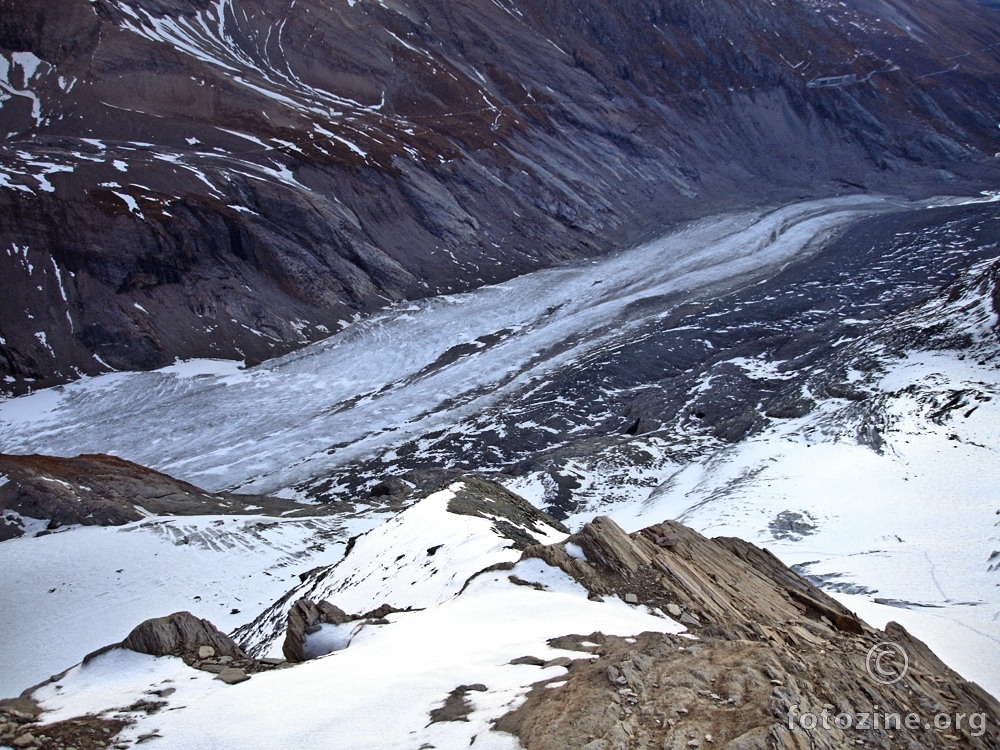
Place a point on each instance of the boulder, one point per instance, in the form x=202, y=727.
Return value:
x=303, y=618
x=181, y=634
x=232, y=676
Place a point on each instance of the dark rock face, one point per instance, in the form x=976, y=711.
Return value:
x=236, y=179
x=303, y=618
x=513, y=517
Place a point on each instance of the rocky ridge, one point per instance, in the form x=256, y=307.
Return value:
x=382, y=572
x=45, y=493
x=771, y=653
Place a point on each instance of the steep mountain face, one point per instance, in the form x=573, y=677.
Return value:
x=238, y=178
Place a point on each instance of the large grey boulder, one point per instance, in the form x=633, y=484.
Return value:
x=181, y=634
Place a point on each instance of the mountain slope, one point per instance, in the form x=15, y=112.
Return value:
x=237, y=178
x=49, y=492
x=882, y=492
x=580, y=628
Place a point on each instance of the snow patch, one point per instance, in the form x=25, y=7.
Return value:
x=222, y=568
x=403, y=670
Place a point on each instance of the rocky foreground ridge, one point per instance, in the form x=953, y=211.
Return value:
x=747, y=654
x=770, y=648
x=234, y=179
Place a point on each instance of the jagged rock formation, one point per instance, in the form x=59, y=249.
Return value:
x=303, y=617
x=678, y=570
x=237, y=178
x=776, y=662
x=108, y=491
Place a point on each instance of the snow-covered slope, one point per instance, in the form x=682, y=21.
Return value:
x=915, y=526
x=553, y=629
x=420, y=558
x=68, y=593
x=378, y=693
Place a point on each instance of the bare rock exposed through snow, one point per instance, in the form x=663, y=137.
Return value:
x=303, y=617
x=181, y=634
x=775, y=663
x=109, y=491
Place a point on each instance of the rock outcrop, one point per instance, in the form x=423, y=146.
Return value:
x=303, y=618
x=184, y=635
x=109, y=491
x=198, y=642
x=774, y=662
x=768, y=661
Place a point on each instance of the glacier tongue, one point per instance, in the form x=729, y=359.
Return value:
x=411, y=370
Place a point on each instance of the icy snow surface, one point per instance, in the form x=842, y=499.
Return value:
x=419, y=558
x=69, y=593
